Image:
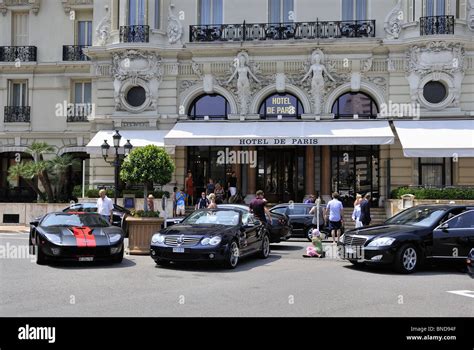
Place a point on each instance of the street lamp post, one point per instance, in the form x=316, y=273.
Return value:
x=116, y=162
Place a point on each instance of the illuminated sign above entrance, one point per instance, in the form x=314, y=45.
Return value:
x=279, y=141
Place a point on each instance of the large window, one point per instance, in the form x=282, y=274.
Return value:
x=210, y=12
x=213, y=106
x=351, y=103
x=281, y=105
x=157, y=14
x=434, y=7
x=354, y=10
x=461, y=9
x=20, y=29
x=84, y=33
x=434, y=172
x=82, y=92
x=280, y=11
x=18, y=93
x=137, y=14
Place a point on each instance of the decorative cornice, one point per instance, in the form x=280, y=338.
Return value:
x=69, y=5
x=34, y=5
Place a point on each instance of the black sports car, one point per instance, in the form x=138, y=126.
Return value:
x=279, y=229
x=470, y=263
x=76, y=236
x=224, y=235
x=301, y=220
x=119, y=214
x=413, y=236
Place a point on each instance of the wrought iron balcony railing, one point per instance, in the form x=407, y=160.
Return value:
x=14, y=53
x=282, y=31
x=436, y=25
x=134, y=34
x=79, y=112
x=74, y=53
x=17, y=114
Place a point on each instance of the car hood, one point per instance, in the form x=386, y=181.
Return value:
x=199, y=230
x=387, y=230
x=75, y=236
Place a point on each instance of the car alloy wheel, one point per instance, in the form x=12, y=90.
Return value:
x=309, y=234
x=265, y=252
x=233, y=255
x=409, y=258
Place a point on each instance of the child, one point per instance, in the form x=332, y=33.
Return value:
x=316, y=250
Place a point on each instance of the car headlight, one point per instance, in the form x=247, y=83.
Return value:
x=379, y=242
x=158, y=238
x=114, y=238
x=53, y=238
x=205, y=241
x=215, y=240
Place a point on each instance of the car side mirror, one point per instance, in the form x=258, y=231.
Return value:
x=34, y=223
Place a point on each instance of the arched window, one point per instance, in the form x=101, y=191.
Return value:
x=213, y=106
x=352, y=103
x=285, y=105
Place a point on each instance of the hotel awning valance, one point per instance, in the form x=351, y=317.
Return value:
x=138, y=138
x=428, y=138
x=282, y=133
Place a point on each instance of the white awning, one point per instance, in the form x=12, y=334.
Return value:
x=428, y=138
x=294, y=133
x=138, y=138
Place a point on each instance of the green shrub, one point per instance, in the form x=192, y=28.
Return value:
x=94, y=193
x=145, y=214
x=434, y=193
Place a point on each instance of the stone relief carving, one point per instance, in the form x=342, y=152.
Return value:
x=243, y=71
x=439, y=61
x=393, y=22
x=175, y=28
x=102, y=31
x=470, y=15
x=133, y=68
x=319, y=72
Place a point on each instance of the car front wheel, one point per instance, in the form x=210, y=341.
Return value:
x=309, y=233
x=265, y=249
x=232, y=258
x=40, y=257
x=406, y=259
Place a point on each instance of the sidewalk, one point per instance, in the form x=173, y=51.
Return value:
x=14, y=229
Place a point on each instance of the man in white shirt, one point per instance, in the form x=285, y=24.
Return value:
x=105, y=206
x=334, y=212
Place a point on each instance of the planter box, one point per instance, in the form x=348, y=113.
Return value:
x=140, y=231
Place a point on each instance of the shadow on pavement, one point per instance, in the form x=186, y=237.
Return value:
x=282, y=246
x=427, y=270
x=73, y=265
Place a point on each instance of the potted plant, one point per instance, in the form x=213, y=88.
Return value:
x=147, y=166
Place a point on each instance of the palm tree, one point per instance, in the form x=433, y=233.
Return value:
x=60, y=165
x=37, y=150
x=25, y=171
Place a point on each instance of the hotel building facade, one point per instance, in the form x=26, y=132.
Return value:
x=302, y=96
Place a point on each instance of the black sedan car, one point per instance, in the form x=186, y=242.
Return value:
x=420, y=234
x=278, y=230
x=119, y=214
x=301, y=220
x=76, y=237
x=224, y=235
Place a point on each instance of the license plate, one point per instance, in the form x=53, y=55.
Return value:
x=86, y=258
x=178, y=250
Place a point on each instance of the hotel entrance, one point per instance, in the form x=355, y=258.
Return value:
x=281, y=172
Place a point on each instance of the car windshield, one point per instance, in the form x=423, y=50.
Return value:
x=68, y=219
x=215, y=217
x=85, y=207
x=424, y=217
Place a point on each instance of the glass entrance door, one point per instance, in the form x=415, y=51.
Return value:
x=280, y=173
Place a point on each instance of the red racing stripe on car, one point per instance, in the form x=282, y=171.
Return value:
x=90, y=238
x=80, y=238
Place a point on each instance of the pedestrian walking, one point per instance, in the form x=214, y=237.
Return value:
x=220, y=193
x=334, y=213
x=356, y=212
x=150, y=203
x=105, y=206
x=203, y=201
x=210, y=188
x=259, y=209
x=365, y=210
x=212, y=199
x=189, y=187
x=180, y=203
x=232, y=184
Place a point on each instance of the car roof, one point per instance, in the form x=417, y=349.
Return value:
x=297, y=204
x=442, y=206
x=233, y=206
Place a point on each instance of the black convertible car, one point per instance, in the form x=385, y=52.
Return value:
x=301, y=220
x=413, y=236
x=224, y=235
x=77, y=237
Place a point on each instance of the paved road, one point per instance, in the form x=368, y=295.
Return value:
x=283, y=285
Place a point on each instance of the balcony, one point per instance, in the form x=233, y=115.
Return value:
x=79, y=113
x=134, y=34
x=74, y=53
x=14, y=53
x=434, y=25
x=282, y=31
x=17, y=114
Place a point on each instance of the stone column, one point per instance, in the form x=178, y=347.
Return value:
x=309, y=171
x=252, y=177
x=326, y=172
x=238, y=170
